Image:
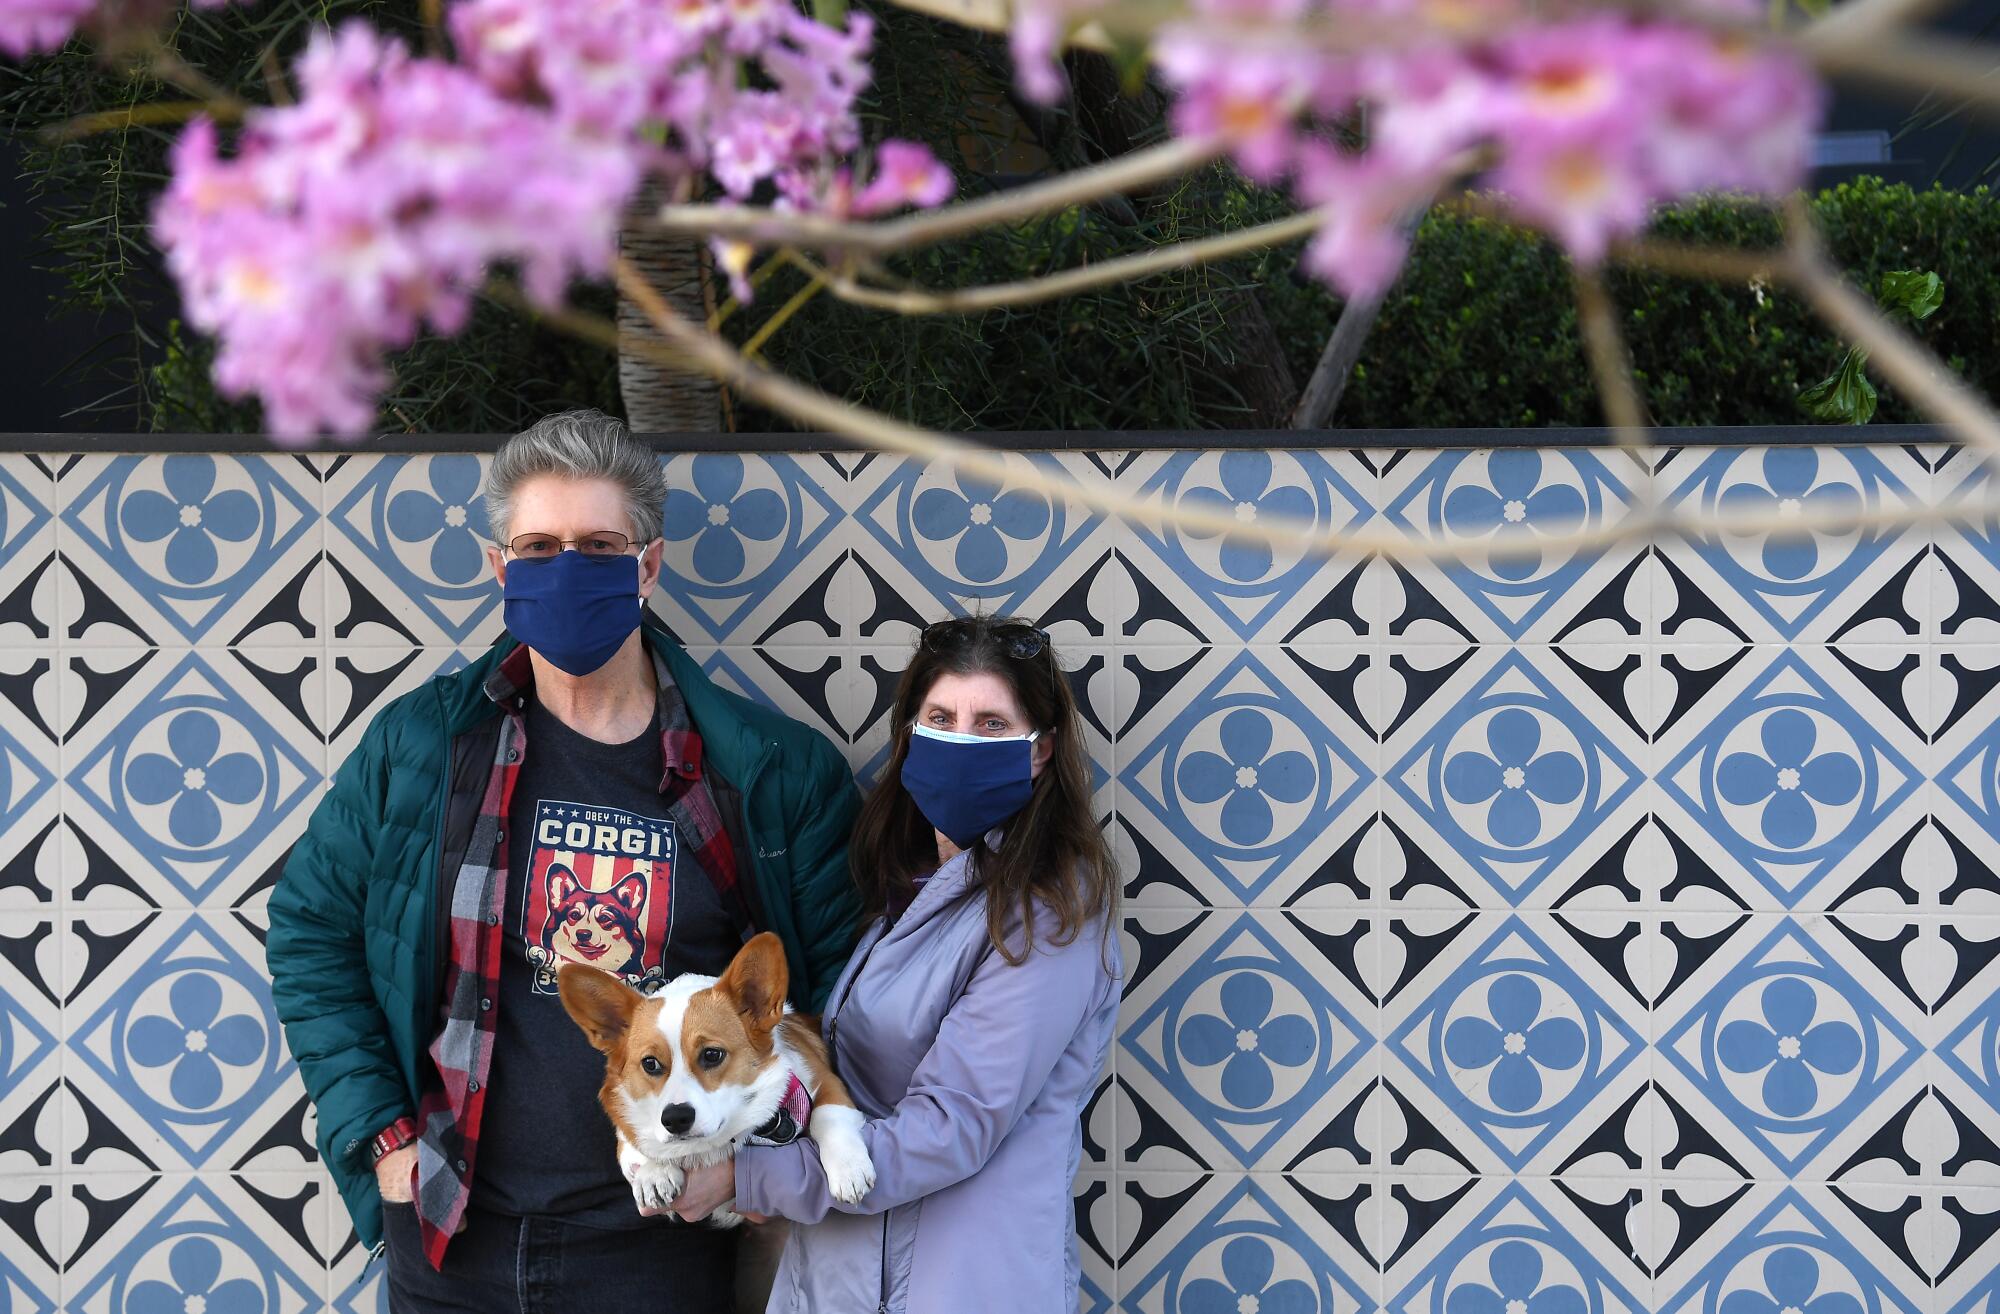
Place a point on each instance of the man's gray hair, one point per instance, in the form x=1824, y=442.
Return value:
x=586, y=444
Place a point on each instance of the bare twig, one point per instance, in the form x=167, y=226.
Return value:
x=778, y=319
x=111, y=120
x=1715, y=263
x=164, y=63
x=276, y=88
x=1913, y=62
x=1079, y=187
x=1605, y=344
x=1858, y=21
x=1032, y=291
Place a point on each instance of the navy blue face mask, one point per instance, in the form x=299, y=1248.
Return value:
x=576, y=611
x=965, y=785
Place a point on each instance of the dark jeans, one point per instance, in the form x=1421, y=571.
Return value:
x=504, y=1265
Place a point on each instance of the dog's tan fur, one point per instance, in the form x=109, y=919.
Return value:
x=730, y=1034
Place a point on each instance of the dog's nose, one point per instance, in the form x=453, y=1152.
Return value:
x=677, y=1118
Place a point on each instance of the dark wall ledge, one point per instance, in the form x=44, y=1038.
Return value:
x=1099, y=440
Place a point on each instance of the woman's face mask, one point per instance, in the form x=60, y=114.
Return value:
x=965, y=785
x=575, y=610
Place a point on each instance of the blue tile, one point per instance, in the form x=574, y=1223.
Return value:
x=1508, y=500
x=1514, y=776
x=191, y=1043
x=1247, y=1253
x=1789, y=777
x=964, y=538
x=193, y=534
x=1788, y=1047
x=1247, y=1039
x=1244, y=580
x=196, y=1254
x=1246, y=776
x=736, y=529
x=1789, y=579
x=1790, y=1257
x=1515, y=1255
x=1516, y=1043
x=420, y=522
x=194, y=778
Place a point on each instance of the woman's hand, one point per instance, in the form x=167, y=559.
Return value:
x=707, y=1189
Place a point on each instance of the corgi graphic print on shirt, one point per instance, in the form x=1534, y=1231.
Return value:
x=600, y=893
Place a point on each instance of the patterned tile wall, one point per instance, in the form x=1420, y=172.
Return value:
x=1584, y=932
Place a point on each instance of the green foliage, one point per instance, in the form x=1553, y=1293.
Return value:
x=1150, y=355
x=1480, y=331
x=1915, y=292
x=1846, y=396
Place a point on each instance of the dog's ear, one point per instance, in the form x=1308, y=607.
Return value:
x=757, y=979
x=562, y=884
x=598, y=1002
x=631, y=892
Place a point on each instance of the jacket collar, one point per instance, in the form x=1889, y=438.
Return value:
x=942, y=887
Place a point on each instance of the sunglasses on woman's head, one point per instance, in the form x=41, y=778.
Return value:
x=1018, y=640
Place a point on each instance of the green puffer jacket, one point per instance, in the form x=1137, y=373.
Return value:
x=356, y=947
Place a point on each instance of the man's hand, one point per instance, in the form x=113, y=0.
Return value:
x=394, y=1172
x=707, y=1190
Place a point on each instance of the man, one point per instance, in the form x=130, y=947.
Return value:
x=582, y=794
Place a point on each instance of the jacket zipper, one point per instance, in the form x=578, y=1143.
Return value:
x=882, y=1307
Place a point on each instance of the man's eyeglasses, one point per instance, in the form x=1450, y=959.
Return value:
x=1017, y=639
x=597, y=543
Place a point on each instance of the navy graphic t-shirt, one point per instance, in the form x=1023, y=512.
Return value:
x=594, y=878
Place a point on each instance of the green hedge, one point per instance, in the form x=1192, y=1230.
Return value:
x=1479, y=331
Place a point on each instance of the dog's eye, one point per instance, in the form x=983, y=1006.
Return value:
x=712, y=1057
x=652, y=1066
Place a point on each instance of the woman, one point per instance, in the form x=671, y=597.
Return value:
x=974, y=1017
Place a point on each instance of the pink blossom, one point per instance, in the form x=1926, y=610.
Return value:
x=905, y=174
x=1589, y=121
x=27, y=26
x=371, y=210
x=1034, y=42
x=1365, y=241
x=1250, y=99
x=1583, y=188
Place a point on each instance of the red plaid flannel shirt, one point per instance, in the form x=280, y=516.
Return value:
x=462, y=1050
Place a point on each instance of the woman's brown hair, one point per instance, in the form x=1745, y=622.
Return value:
x=1051, y=852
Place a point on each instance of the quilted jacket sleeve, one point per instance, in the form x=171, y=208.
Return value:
x=319, y=968
x=826, y=906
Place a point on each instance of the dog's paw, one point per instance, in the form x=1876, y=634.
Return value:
x=850, y=1173
x=655, y=1185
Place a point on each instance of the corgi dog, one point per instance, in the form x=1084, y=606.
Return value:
x=702, y=1063
x=596, y=929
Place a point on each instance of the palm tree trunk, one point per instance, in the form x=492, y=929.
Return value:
x=657, y=399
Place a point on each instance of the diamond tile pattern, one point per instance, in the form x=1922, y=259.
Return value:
x=1545, y=931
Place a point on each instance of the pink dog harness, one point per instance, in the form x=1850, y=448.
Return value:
x=790, y=1121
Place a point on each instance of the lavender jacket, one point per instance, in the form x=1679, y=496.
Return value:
x=973, y=1075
